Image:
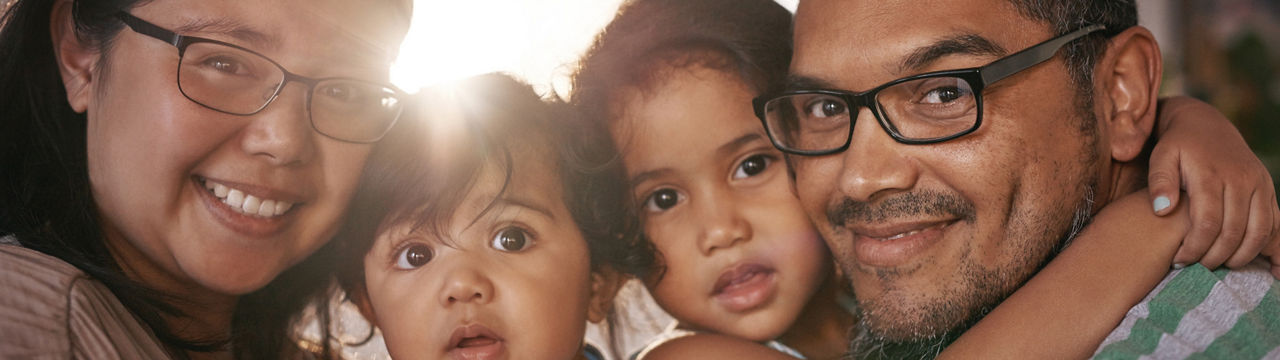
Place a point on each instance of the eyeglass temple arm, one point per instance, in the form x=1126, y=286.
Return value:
x=143, y=27
x=1033, y=55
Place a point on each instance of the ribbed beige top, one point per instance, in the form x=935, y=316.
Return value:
x=51, y=310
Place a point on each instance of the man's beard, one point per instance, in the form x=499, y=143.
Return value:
x=926, y=342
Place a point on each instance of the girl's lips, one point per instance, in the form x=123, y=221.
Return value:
x=744, y=287
x=475, y=341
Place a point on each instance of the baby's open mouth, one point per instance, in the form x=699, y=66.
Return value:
x=475, y=341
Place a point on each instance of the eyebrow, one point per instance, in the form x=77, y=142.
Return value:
x=962, y=44
x=517, y=201
x=801, y=82
x=733, y=146
x=650, y=174
x=235, y=29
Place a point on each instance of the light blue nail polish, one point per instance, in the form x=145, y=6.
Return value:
x=1179, y=265
x=1161, y=203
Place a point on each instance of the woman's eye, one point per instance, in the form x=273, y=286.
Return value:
x=226, y=65
x=343, y=93
x=511, y=239
x=752, y=166
x=662, y=200
x=413, y=256
x=824, y=108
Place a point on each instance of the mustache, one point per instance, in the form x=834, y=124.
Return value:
x=909, y=204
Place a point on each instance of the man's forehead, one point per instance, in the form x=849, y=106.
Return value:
x=865, y=43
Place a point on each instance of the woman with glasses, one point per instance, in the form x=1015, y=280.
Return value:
x=173, y=169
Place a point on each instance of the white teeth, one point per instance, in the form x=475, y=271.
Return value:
x=235, y=199
x=267, y=208
x=251, y=204
x=282, y=206
x=247, y=204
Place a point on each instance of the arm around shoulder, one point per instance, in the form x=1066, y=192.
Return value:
x=713, y=346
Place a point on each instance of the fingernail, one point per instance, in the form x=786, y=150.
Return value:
x=1161, y=203
x=1177, y=266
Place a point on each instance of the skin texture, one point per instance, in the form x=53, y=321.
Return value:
x=150, y=148
x=534, y=298
x=991, y=206
x=690, y=138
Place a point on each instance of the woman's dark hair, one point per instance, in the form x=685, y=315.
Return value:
x=748, y=38
x=408, y=179
x=48, y=206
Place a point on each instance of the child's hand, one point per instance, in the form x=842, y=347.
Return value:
x=1233, y=202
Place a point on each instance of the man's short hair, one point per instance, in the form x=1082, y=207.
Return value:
x=1064, y=16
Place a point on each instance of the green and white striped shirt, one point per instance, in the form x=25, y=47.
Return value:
x=1196, y=313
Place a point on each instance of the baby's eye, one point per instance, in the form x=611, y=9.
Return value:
x=662, y=200
x=752, y=166
x=413, y=256
x=511, y=239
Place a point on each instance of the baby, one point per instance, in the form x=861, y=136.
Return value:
x=492, y=232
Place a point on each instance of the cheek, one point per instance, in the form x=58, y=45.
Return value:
x=341, y=166
x=548, y=311
x=815, y=183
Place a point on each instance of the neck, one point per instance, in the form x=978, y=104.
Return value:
x=204, y=314
x=1123, y=178
x=821, y=331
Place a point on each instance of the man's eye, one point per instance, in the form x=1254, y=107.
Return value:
x=943, y=95
x=752, y=166
x=826, y=107
x=413, y=256
x=662, y=200
x=511, y=239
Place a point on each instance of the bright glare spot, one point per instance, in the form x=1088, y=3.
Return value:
x=538, y=41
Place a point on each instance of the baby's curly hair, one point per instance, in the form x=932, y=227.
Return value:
x=409, y=179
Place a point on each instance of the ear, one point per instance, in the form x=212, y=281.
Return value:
x=77, y=61
x=1128, y=76
x=605, y=283
x=360, y=296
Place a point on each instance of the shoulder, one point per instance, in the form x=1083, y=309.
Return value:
x=711, y=346
x=1223, y=314
x=49, y=307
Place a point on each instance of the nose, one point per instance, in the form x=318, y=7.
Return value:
x=465, y=284
x=723, y=225
x=875, y=164
x=281, y=133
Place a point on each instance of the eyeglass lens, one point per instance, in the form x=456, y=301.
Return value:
x=240, y=82
x=920, y=109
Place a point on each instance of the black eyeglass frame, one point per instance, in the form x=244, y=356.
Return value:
x=978, y=79
x=181, y=42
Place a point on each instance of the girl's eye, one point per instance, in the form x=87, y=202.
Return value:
x=413, y=256
x=511, y=239
x=662, y=200
x=752, y=166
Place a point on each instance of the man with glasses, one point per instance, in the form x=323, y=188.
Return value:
x=948, y=149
